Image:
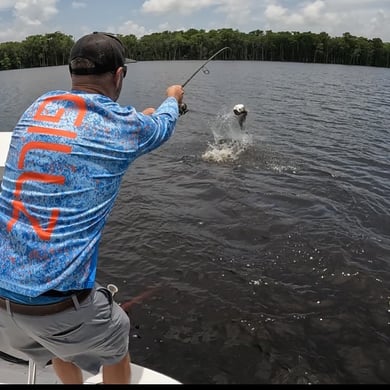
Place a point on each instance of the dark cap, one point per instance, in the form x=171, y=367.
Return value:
x=105, y=50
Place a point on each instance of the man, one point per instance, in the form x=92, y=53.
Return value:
x=68, y=154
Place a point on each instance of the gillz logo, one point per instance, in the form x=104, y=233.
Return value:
x=17, y=203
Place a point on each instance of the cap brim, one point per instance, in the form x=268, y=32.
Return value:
x=129, y=61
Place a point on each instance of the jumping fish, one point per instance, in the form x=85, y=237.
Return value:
x=240, y=112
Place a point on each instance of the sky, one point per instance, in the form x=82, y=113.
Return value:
x=22, y=18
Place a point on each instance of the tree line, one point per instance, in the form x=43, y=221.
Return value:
x=53, y=49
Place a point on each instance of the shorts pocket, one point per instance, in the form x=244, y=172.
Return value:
x=67, y=333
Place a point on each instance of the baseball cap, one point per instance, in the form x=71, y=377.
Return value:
x=105, y=50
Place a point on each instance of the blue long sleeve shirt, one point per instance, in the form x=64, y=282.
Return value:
x=68, y=154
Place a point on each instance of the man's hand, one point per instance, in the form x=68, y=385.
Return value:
x=177, y=92
x=148, y=111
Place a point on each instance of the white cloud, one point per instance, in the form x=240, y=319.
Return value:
x=359, y=17
x=29, y=18
x=278, y=15
x=78, y=5
x=224, y=13
x=239, y=12
x=232, y=8
x=5, y=4
x=180, y=6
x=34, y=12
x=313, y=11
x=21, y=18
x=380, y=25
x=130, y=27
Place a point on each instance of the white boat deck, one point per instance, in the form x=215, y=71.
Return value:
x=13, y=373
x=5, y=139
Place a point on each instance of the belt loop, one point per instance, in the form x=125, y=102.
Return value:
x=75, y=302
x=8, y=306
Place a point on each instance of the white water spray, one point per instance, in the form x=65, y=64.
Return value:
x=230, y=140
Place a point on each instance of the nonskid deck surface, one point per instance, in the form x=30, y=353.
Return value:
x=12, y=373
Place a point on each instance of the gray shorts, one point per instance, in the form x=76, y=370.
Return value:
x=93, y=335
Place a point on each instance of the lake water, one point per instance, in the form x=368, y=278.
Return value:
x=255, y=256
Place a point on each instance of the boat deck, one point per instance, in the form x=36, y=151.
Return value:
x=12, y=373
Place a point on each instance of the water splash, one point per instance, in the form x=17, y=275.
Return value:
x=230, y=141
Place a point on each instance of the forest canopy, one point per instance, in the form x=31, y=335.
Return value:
x=53, y=49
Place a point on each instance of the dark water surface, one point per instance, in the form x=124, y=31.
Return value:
x=266, y=260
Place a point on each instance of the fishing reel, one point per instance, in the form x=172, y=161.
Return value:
x=183, y=109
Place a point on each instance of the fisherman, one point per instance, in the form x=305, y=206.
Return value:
x=69, y=153
x=240, y=112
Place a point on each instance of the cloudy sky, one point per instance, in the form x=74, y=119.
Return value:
x=21, y=18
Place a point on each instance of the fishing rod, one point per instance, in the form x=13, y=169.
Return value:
x=183, y=107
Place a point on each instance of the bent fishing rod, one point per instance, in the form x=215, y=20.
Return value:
x=183, y=107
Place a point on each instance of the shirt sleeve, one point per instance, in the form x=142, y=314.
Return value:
x=158, y=127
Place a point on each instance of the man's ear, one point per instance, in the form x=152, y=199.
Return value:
x=118, y=77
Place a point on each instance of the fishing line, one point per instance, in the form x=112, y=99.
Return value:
x=183, y=107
